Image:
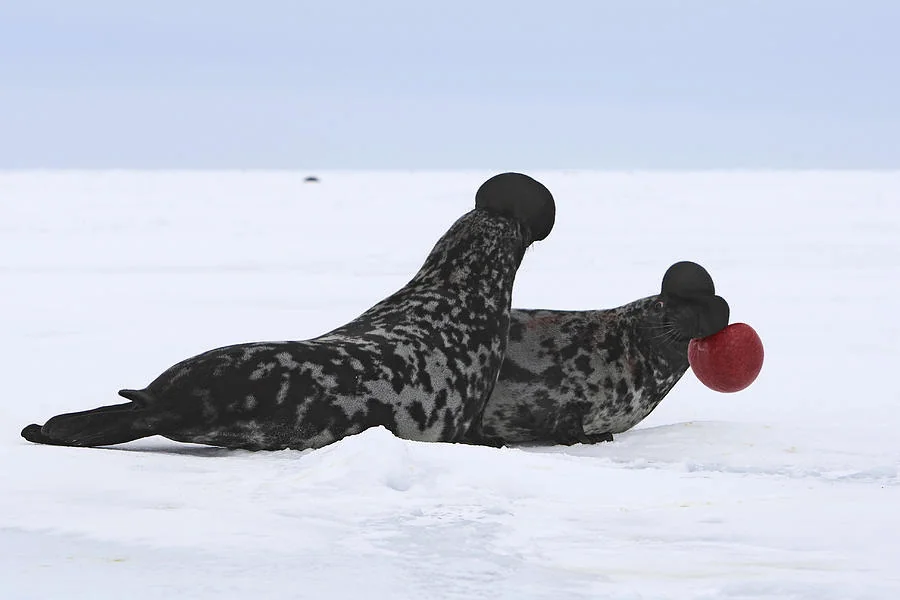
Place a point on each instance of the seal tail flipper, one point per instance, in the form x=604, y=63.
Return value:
x=33, y=433
x=102, y=426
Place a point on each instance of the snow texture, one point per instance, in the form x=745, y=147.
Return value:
x=787, y=490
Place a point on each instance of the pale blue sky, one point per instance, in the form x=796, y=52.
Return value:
x=445, y=85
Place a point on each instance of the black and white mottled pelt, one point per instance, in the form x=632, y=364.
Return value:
x=580, y=376
x=422, y=362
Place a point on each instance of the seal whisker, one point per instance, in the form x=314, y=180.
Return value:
x=664, y=332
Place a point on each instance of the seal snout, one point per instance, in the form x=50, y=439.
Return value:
x=522, y=198
x=712, y=316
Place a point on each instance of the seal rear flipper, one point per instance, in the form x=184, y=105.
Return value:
x=596, y=438
x=102, y=426
x=33, y=434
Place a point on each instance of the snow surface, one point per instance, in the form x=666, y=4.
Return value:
x=787, y=490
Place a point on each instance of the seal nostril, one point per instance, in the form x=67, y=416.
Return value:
x=522, y=198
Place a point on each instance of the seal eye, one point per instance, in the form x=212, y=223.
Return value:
x=659, y=305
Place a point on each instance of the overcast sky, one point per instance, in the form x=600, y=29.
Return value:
x=444, y=85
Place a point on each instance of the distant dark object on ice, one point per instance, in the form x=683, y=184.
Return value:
x=311, y=179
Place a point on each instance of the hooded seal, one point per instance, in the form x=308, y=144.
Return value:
x=421, y=362
x=581, y=376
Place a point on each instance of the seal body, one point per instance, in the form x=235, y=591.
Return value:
x=580, y=376
x=421, y=362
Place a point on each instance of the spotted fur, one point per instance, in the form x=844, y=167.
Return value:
x=581, y=376
x=422, y=362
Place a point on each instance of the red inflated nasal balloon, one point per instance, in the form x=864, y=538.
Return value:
x=727, y=361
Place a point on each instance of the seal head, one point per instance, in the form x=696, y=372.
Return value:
x=688, y=303
x=520, y=197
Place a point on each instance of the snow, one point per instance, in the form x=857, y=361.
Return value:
x=787, y=490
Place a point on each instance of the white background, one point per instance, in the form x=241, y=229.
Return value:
x=788, y=489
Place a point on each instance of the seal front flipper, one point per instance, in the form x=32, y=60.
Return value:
x=596, y=438
x=477, y=437
x=569, y=429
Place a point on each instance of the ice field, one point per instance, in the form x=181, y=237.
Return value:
x=787, y=490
